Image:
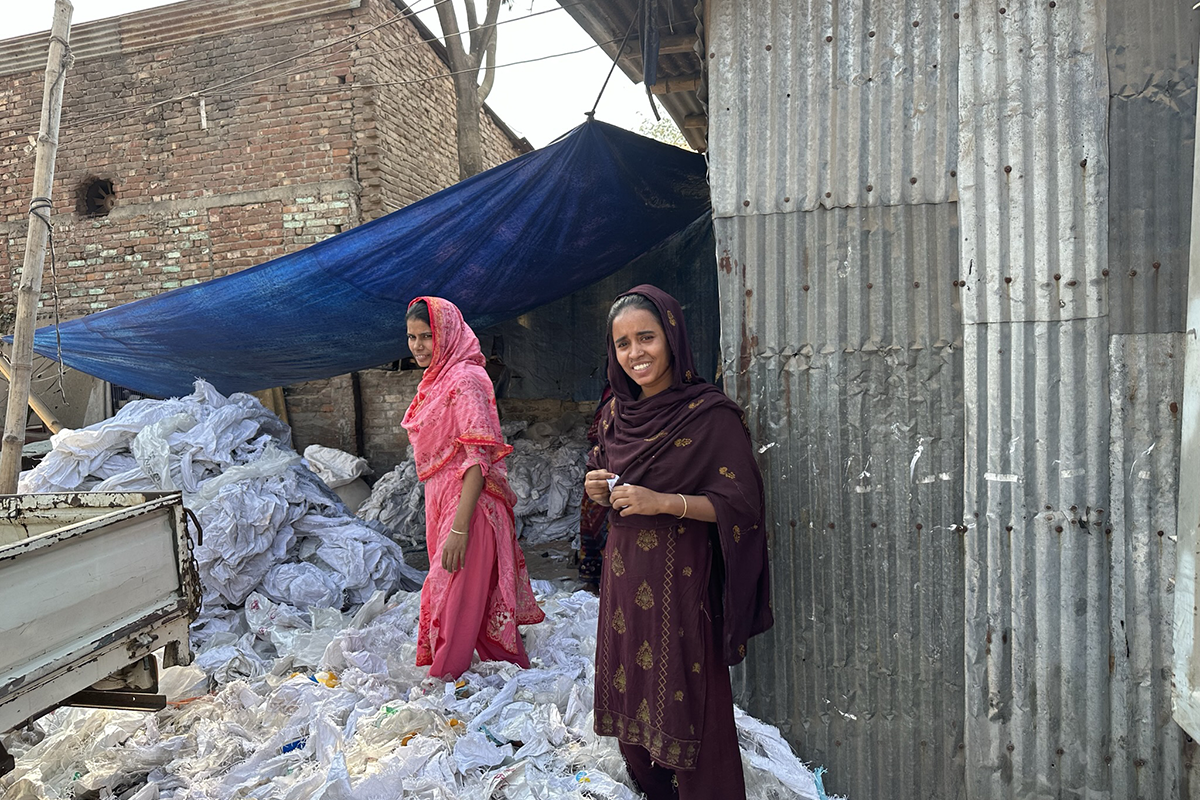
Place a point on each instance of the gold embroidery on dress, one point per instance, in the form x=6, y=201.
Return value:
x=687, y=572
x=695, y=403
x=619, y=679
x=618, y=564
x=737, y=533
x=742, y=650
x=696, y=668
x=681, y=631
x=681, y=529
x=728, y=473
x=644, y=659
x=678, y=696
x=645, y=596
x=687, y=375
x=670, y=317
x=618, y=621
x=673, y=751
x=657, y=436
x=647, y=540
x=643, y=712
x=607, y=721
x=683, y=442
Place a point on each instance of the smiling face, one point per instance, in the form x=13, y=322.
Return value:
x=642, y=350
x=420, y=342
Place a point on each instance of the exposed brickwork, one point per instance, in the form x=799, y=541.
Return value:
x=269, y=165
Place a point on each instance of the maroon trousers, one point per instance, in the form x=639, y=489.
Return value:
x=718, y=775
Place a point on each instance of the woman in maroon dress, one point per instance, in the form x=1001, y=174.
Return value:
x=685, y=579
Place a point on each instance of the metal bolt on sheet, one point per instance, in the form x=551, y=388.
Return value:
x=1156, y=265
x=1007, y=169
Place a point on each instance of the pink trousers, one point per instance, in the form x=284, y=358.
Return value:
x=463, y=629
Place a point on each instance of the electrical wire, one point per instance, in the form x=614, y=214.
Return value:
x=439, y=76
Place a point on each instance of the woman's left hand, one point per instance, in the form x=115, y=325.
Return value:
x=454, y=552
x=629, y=500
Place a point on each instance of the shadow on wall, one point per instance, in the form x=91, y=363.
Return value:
x=557, y=351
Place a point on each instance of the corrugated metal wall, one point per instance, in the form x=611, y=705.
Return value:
x=967, y=379
x=842, y=335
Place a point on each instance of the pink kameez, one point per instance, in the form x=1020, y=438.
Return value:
x=453, y=426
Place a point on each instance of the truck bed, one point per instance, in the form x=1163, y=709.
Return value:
x=89, y=583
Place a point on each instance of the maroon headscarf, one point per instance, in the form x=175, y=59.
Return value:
x=691, y=438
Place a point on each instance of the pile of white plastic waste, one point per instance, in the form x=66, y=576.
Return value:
x=304, y=685
x=269, y=524
x=329, y=705
x=545, y=470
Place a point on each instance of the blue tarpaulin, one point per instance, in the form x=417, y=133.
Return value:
x=508, y=240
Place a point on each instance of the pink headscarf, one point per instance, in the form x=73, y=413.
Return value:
x=455, y=405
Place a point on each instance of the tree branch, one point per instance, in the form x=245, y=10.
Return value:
x=472, y=26
x=489, y=71
x=487, y=32
x=451, y=35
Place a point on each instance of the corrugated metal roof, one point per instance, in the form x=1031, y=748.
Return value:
x=842, y=337
x=850, y=103
x=155, y=27
x=610, y=21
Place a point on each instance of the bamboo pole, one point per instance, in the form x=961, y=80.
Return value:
x=30, y=287
x=36, y=403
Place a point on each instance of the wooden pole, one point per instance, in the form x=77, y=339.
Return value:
x=30, y=287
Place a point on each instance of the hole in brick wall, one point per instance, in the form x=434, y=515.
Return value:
x=341, y=78
x=97, y=197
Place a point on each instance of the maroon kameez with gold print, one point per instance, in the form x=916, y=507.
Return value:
x=670, y=585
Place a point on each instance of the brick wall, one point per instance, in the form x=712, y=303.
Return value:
x=287, y=157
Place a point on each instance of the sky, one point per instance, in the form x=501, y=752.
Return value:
x=540, y=100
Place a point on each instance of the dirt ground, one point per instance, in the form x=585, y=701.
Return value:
x=552, y=561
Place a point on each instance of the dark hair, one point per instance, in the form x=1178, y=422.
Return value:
x=628, y=301
x=418, y=310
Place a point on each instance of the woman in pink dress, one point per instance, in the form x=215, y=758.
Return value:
x=477, y=591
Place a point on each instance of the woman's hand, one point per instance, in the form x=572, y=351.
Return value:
x=595, y=483
x=631, y=500
x=454, y=552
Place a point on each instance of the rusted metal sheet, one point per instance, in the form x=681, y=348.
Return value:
x=156, y=27
x=832, y=104
x=842, y=339
x=112, y=583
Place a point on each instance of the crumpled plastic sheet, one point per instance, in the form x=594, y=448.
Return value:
x=335, y=467
x=329, y=705
x=269, y=524
x=545, y=471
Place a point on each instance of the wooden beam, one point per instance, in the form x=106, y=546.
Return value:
x=667, y=45
x=679, y=83
x=36, y=403
x=695, y=121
